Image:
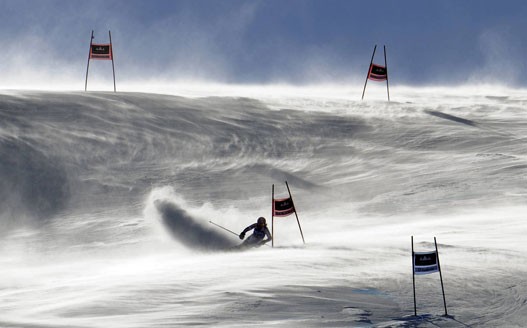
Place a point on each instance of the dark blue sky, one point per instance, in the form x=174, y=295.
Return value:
x=293, y=41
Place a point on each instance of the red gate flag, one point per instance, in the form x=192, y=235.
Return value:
x=378, y=73
x=283, y=207
x=101, y=51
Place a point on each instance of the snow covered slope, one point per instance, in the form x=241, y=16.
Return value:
x=82, y=243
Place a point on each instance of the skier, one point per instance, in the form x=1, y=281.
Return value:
x=257, y=238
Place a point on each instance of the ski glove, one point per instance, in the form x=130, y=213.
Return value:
x=242, y=235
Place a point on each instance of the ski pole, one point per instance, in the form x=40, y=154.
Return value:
x=217, y=225
x=234, y=233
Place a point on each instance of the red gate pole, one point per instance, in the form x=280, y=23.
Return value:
x=386, y=65
x=368, y=75
x=88, y=66
x=294, y=207
x=111, y=54
x=272, y=218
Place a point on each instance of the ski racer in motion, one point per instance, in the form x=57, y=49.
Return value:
x=260, y=231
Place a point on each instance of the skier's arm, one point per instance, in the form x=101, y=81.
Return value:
x=249, y=228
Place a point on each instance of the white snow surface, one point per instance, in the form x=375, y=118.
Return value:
x=83, y=245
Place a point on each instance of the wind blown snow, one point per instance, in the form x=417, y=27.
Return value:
x=84, y=244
